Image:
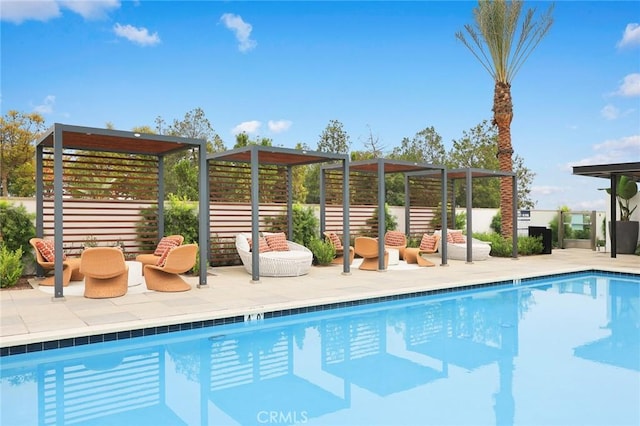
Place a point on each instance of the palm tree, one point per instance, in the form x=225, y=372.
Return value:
x=492, y=43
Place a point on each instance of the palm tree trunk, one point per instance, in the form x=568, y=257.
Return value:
x=502, y=116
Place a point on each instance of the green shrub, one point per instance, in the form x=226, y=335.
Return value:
x=305, y=225
x=147, y=229
x=390, y=222
x=181, y=218
x=11, y=266
x=323, y=251
x=553, y=224
x=530, y=245
x=496, y=223
x=16, y=227
x=503, y=247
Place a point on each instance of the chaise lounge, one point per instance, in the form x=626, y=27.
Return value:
x=278, y=257
x=457, y=246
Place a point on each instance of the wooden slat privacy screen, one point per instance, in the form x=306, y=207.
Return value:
x=108, y=199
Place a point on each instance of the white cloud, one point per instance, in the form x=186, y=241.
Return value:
x=241, y=29
x=630, y=85
x=20, y=11
x=247, y=127
x=279, y=126
x=611, y=151
x=93, y=9
x=547, y=190
x=610, y=112
x=44, y=10
x=46, y=107
x=139, y=36
x=631, y=35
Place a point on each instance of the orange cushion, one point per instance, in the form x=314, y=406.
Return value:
x=263, y=246
x=277, y=242
x=395, y=238
x=335, y=240
x=163, y=258
x=458, y=238
x=46, y=249
x=165, y=244
x=428, y=242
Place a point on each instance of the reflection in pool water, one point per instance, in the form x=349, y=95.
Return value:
x=556, y=351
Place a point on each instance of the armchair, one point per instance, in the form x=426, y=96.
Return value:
x=105, y=273
x=165, y=277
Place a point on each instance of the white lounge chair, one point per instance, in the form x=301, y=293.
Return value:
x=458, y=251
x=291, y=263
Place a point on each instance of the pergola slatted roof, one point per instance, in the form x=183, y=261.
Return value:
x=277, y=156
x=91, y=139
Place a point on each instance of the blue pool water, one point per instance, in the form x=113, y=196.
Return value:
x=557, y=351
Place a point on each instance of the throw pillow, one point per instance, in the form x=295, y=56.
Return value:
x=45, y=247
x=263, y=246
x=277, y=242
x=394, y=238
x=458, y=238
x=335, y=240
x=163, y=258
x=164, y=244
x=428, y=242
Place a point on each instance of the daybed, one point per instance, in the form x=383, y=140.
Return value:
x=457, y=246
x=292, y=261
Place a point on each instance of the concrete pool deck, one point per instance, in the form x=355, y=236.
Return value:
x=30, y=316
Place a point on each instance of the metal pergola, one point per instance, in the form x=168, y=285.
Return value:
x=258, y=155
x=468, y=174
x=381, y=167
x=64, y=136
x=611, y=172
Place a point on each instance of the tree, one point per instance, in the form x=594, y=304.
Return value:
x=492, y=43
x=425, y=147
x=194, y=125
x=334, y=139
x=18, y=132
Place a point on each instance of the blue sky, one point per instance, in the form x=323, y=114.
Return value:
x=283, y=70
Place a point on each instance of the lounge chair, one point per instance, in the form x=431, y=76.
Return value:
x=367, y=248
x=428, y=245
x=457, y=246
x=165, y=276
x=296, y=260
x=165, y=243
x=105, y=273
x=44, y=252
x=337, y=245
x=396, y=240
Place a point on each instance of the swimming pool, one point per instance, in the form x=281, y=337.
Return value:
x=561, y=350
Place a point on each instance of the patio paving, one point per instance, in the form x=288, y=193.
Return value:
x=29, y=316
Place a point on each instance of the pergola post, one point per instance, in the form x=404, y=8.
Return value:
x=514, y=218
x=614, y=213
x=203, y=213
x=346, y=268
x=255, y=217
x=381, y=215
x=57, y=211
x=469, y=216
